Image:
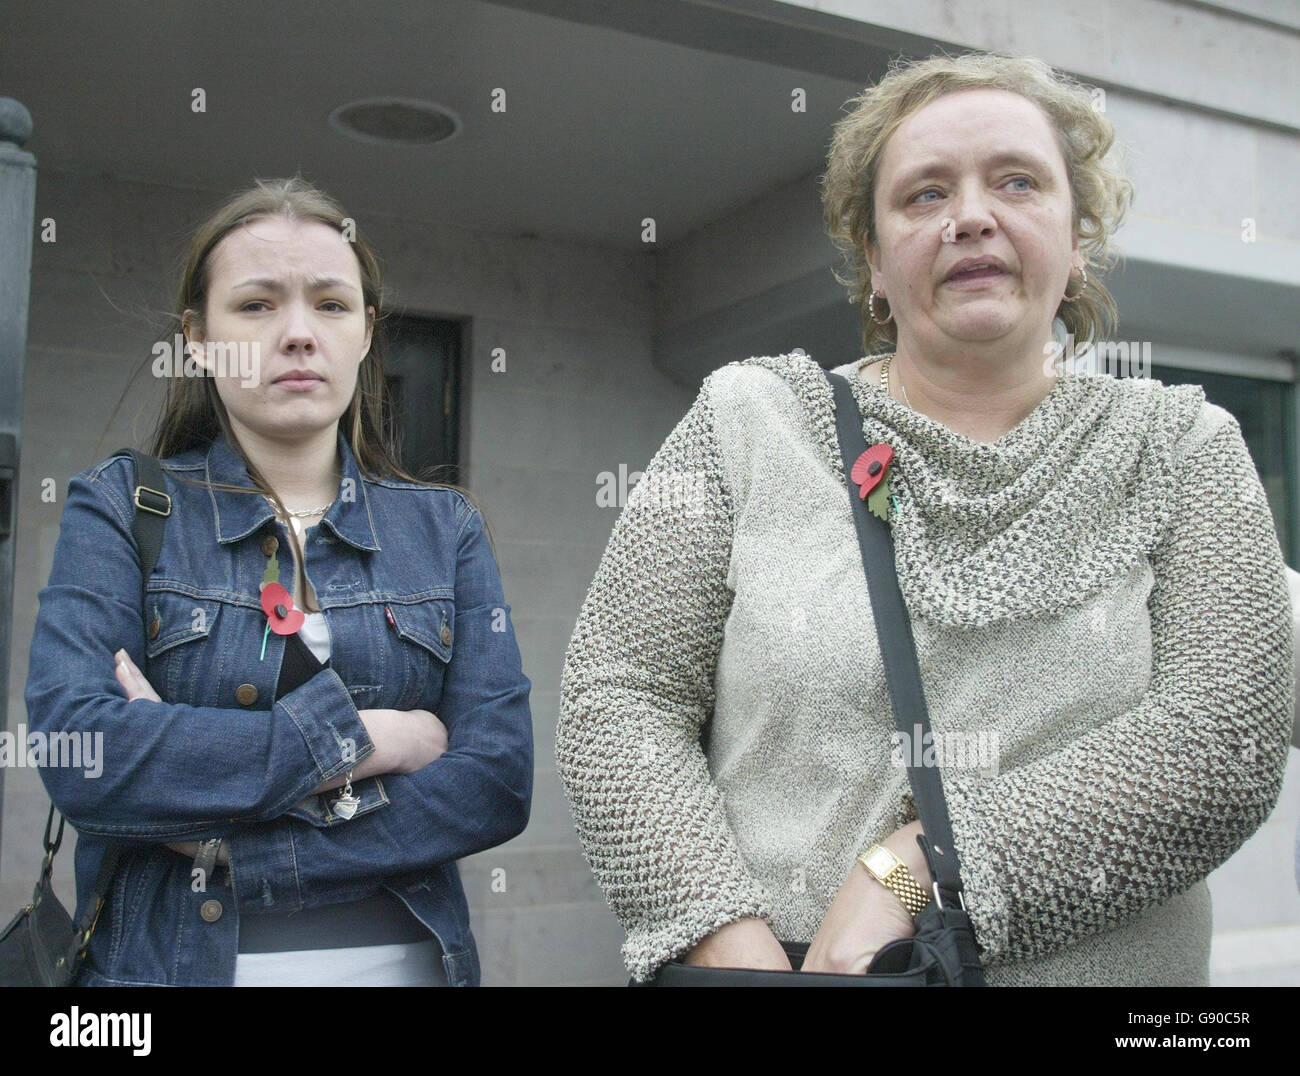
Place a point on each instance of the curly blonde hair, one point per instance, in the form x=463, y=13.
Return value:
x=1099, y=192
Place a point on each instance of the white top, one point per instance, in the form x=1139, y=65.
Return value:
x=316, y=634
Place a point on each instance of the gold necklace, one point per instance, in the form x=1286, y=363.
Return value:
x=884, y=381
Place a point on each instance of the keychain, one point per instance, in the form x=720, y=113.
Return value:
x=346, y=805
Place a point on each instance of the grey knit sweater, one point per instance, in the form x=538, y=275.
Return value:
x=1099, y=594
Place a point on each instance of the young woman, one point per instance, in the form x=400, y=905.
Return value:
x=321, y=706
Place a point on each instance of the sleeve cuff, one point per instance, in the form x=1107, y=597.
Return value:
x=325, y=714
x=263, y=874
x=317, y=808
x=648, y=948
x=983, y=886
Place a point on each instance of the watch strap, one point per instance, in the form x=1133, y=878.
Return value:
x=900, y=881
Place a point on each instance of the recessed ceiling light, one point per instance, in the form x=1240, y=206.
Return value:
x=396, y=121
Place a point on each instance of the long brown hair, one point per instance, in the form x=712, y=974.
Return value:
x=193, y=415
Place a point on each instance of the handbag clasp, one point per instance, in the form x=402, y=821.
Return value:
x=939, y=901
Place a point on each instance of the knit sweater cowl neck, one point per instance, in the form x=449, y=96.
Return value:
x=1033, y=522
x=1099, y=596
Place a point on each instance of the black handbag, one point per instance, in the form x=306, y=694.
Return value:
x=41, y=946
x=943, y=952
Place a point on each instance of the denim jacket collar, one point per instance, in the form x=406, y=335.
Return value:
x=238, y=514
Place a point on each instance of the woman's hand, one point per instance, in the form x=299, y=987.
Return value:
x=405, y=740
x=865, y=915
x=746, y=943
x=862, y=919
x=132, y=679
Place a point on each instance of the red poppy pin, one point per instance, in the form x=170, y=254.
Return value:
x=282, y=618
x=871, y=474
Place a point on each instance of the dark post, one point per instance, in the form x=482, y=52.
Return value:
x=17, y=208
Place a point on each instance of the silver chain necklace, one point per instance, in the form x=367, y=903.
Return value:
x=296, y=516
x=300, y=513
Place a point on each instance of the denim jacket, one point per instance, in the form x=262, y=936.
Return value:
x=411, y=594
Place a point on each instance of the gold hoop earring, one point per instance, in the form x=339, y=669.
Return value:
x=871, y=310
x=1083, y=272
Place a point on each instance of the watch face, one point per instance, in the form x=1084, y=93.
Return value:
x=882, y=861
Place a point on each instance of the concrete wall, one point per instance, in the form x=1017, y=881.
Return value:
x=1241, y=58
x=1187, y=277
x=579, y=396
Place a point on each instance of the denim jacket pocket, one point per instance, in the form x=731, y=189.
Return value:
x=318, y=809
x=427, y=631
x=365, y=696
x=144, y=871
x=174, y=623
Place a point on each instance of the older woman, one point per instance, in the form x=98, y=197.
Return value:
x=1089, y=564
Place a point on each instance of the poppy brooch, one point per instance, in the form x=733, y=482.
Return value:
x=871, y=475
x=281, y=617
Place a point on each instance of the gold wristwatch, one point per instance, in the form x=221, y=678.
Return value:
x=892, y=873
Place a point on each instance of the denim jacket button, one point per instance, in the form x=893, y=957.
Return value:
x=155, y=626
x=210, y=910
x=270, y=544
x=446, y=635
x=246, y=694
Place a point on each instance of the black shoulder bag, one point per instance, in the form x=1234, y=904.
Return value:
x=41, y=946
x=943, y=951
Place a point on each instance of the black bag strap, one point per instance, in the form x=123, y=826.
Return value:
x=152, y=507
x=898, y=649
